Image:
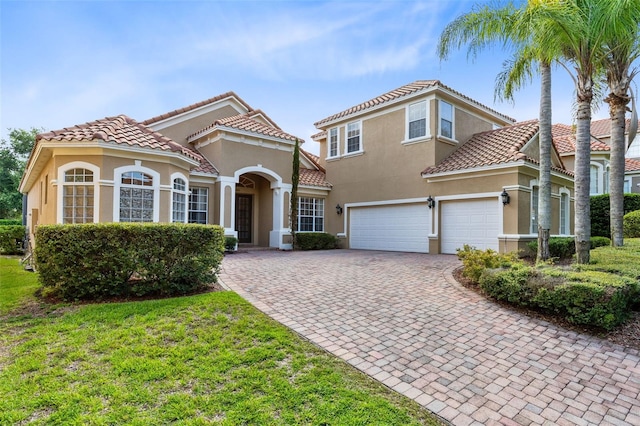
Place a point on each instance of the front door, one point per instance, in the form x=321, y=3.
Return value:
x=244, y=216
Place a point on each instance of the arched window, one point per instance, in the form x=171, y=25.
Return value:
x=179, y=201
x=78, y=196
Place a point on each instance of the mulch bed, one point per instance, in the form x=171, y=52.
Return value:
x=627, y=334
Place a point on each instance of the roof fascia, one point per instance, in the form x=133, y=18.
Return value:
x=242, y=135
x=231, y=101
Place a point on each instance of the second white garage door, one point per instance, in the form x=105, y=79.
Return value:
x=398, y=227
x=469, y=222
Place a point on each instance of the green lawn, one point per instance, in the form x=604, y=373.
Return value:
x=206, y=359
x=16, y=284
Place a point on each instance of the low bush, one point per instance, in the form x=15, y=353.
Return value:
x=315, y=241
x=589, y=298
x=10, y=222
x=475, y=261
x=94, y=261
x=631, y=224
x=230, y=243
x=600, y=242
x=11, y=238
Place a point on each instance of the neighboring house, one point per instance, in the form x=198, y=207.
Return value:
x=424, y=168
x=564, y=140
x=218, y=161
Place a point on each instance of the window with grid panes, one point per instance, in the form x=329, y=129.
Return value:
x=179, y=200
x=353, y=137
x=198, y=205
x=136, y=197
x=78, y=196
x=310, y=214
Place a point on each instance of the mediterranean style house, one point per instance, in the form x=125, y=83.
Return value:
x=421, y=168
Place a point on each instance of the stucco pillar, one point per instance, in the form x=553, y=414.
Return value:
x=228, y=205
x=279, y=230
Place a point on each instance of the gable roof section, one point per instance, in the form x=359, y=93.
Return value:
x=602, y=128
x=197, y=105
x=399, y=94
x=245, y=123
x=491, y=148
x=566, y=144
x=311, y=177
x=631, y=165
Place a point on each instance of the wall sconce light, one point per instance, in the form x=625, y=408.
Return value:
x=431, y=202
x=338, y=209
x=506, y=198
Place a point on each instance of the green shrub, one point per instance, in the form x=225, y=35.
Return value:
x=230, y=243
x=475, y=261
x=95, y=261
x=565, y=247
x=315, y=241
x=591, y=298
x=10, y=222
x=600, y=216
x=507, y=284
x=11, y=238
x=631, y=224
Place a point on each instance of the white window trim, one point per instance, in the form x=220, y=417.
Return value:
x=117, y=184
x=600, y=177
x=629, y=181
x=207, y=204
x=324, y=210
x=565, y=191
x=533, y=183
x=96, y=187
x=407, y=140
x=337, y=130
x=175, y=176
x=346, y=139
x=453, y=121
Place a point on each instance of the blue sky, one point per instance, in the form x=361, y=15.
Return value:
x=69, y=62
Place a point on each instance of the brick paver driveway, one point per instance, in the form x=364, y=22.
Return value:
x=402, y=319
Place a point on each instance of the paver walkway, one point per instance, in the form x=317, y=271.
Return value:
x=404, y=320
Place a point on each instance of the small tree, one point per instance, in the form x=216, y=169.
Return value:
x=295, y=178
x=13, y=159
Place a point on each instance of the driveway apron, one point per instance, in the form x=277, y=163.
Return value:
x=402, y=319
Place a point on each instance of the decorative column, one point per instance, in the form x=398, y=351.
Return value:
x=228, y=205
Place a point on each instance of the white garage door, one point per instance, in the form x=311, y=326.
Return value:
x=469, y=222
x=398, y=227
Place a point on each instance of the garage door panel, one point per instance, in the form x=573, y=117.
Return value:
x=473, y=222
x=398, y=227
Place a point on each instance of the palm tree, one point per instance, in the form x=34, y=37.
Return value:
x=576, y=29
x=622, y=49
x=517, y=27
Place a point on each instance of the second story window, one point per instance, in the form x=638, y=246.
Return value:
x=333, y=142
x=417, y=120
x=353, y=137
x=446, y=120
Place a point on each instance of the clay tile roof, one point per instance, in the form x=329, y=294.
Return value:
x=313, y=178
x=319, y=136
x=631, y=165
x=602, y=128
x=205, y=166
x=119, y=130
x=411, y=88
x=567, y=144
x=262, y=113
x=314, y=158
x=246, y=123
x=195, y=106
x=489, y=148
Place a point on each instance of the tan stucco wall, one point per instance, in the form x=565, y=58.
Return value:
x=180, y=131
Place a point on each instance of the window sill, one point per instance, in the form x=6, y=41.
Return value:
x=447, y=139
x=416, y=140
x=353, y=154
x=335, y=158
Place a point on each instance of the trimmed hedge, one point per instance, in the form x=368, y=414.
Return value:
x=591, y=298
x=10, y=222
x=230, y=243
x=476, y=261
x=600, y=215
x=315, y=241
x=95, y=261
x=11, y=238
x=631, y=224
x=565, y=247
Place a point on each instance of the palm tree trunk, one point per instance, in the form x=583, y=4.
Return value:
x=617, y=108
x=582, y=171
x=544, y=202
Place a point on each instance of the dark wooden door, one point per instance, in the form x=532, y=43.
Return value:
x=244, y=216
